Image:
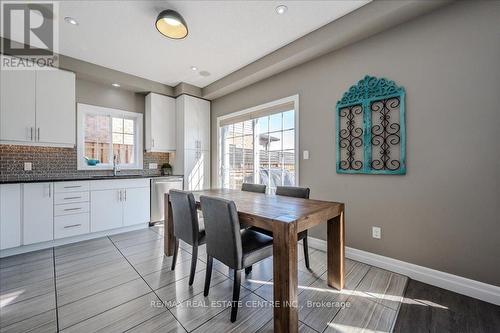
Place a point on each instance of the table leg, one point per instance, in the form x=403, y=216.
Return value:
x=335, y=251
x=168, y=232
x=285, y=278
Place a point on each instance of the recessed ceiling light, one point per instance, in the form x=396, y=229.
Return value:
x=194, y=68
x=70, y=20
x=171, y=24
x=115, y=85
x=281, y=9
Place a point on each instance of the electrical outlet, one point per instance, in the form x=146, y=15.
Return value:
x=28, y=166
x=153, y=165
x=306, y=154
x=376, y=232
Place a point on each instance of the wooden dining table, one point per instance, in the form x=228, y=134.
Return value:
x=285, y=217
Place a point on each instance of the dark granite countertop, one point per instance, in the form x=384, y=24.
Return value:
x=85, y=177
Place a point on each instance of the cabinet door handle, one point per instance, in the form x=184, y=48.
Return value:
x=72, y=226
x=73, y=186
x=120, y=195
x=50, y=191
x=31, y=133
x=71, y=198
x=38, y=134
x=152, y=142
x=125, y=195
x=70, y=209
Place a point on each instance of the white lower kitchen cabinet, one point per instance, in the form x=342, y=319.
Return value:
x=136, y=206
x=38, y=213
x=106, y=209
x=71, y=225
x=119, y=203
x=10, y=215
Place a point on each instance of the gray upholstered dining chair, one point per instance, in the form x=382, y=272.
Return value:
x=187, y=227
x=297, y=192
x=257, y=188
x=226, y=242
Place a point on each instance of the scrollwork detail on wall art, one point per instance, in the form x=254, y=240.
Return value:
x=371, y=133
x=351, y=137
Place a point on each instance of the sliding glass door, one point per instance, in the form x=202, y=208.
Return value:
x=259, y=150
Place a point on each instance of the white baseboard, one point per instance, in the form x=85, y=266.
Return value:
x=483, y=291
x=69, y=240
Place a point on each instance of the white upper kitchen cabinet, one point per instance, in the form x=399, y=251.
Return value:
x=38, y=108
x=38, y=212
x=17, y=106
x=160, y=123
x=55, y=107
x=194, y=126
x=136, y=206
x=10, y=215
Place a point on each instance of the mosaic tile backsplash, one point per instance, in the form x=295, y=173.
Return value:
x=59, y=163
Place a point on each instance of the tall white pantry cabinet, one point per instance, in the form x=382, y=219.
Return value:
x=192, y=155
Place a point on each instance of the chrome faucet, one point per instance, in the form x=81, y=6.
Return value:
x=116, y=161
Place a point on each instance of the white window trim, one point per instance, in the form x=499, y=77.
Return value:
x=84, y=109
x=294, y=99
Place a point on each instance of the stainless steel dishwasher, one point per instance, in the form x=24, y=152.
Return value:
x=160, y=186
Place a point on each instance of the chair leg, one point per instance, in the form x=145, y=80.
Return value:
x=176, y=251
x=194, y=259
x=248, y=270
x=306, y=252
x=208, y=275
x=236, y=294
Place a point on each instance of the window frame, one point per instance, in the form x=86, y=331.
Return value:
x=295, y=100
x=86, y=109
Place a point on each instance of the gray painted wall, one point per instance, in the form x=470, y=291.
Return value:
x=105, y=95
x=445, y=213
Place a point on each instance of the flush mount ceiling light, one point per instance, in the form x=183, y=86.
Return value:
x=194, y=68
x=281, y=9
x=70, y=20
x=116, y=85
x=171, y=24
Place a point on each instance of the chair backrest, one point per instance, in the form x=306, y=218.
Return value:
x=185, y=216
x=293, y=191
x=257, y=188
x=222, y=229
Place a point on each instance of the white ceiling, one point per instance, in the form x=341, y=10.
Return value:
x=223, y=35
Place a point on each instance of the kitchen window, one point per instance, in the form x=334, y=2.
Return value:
x=260, y=145
x=105, y=134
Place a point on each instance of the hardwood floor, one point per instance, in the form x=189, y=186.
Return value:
x=427, y=308
x=123, y=283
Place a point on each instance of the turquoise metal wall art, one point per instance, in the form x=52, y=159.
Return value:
x=371, y=131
